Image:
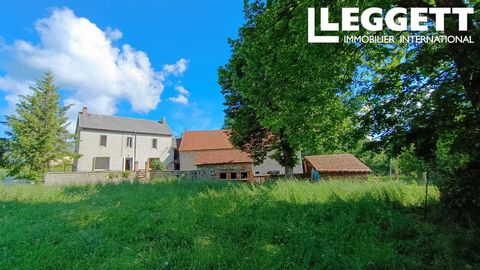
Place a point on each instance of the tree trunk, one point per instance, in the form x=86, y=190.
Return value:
x=288, y=172
x=288, y=162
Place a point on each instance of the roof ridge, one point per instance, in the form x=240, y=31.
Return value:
x=206, y=130
x=124, y=117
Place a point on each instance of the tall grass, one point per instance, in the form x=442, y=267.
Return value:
x=219, y=225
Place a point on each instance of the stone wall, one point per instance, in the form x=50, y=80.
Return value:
x=215, y=171
x=189, y=175
x=82, y=178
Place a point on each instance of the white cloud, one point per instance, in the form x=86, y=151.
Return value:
x=113, y=34
x=182, y=97
x=16, y=89
x=182, y=90
x=93, y=71
x=176, y=69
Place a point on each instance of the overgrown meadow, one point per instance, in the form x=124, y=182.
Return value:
x=219, y=225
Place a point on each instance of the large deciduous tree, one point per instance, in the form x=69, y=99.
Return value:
x=37, y=131
x=427, y=94
x=283, y=94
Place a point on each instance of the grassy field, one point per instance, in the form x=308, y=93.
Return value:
x=217, y=225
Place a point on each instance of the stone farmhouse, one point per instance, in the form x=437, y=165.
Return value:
x=110, y=143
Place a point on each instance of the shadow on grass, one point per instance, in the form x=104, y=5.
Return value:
x=205, y=225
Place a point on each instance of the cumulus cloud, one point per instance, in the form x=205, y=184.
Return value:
x=93, y=71
x=16, y=88
x=176, y=69
x=182, y=97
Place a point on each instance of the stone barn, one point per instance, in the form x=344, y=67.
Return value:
x=339, y=166
x=212, y=150
x=230, y=164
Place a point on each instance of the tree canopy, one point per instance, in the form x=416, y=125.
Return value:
x=282, y=94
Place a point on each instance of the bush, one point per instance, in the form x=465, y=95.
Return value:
x=157, y=165
x=126, y=174
x=112, y=176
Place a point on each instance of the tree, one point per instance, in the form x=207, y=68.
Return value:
x=38, y=131
x=283, y=94
x=427, y=94
x=3, y=151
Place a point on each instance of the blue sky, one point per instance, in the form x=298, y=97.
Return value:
x=122, y=57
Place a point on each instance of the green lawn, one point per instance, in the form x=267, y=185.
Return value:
x=216, y=225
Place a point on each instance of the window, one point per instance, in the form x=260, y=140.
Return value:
x=243, y=175
x=223, y=175
x=129, y=142
x=101, y=163
x=273, y=172
x=154, y=143
x=103, y=140
x=233, y=175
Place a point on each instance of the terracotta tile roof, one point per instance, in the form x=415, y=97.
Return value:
x=337, y=163
x=205, y=140
x=230, y=156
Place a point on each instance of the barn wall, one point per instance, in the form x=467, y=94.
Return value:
x=216, y=169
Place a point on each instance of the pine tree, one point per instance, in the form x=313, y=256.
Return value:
x=38, y=130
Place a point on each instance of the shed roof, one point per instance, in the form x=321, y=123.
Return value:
x=229, y=156
x=205, y=140
x=125, y=124
x=337, y=163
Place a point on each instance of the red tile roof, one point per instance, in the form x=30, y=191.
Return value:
x=230, y=156
x=205, y=140
x=337, y=163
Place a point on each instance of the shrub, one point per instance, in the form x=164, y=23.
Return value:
x=157, y=165
x=126, y=174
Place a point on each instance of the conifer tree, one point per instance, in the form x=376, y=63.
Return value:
x=37, y=130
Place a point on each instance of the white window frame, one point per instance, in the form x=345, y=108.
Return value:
x=106, y=140
x=154, y=143
x=94, y=164
x=129, y=142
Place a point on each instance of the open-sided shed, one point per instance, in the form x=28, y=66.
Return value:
x=335, y=166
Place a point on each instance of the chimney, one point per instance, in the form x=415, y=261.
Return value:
x=163, y=121
x=84, y=110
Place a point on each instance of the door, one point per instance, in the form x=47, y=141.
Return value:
x=128, y=164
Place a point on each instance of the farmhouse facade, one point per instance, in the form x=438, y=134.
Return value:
x=212, y=151
x=110, y=143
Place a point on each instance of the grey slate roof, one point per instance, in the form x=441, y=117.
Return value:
x=125, y=124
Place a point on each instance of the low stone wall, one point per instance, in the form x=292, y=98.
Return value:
x=81, y=178
x=189, y=175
